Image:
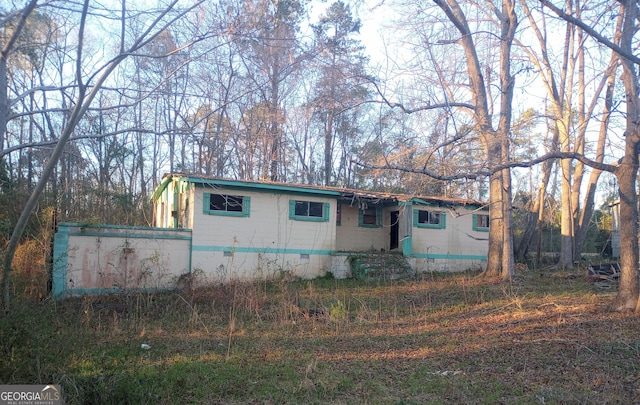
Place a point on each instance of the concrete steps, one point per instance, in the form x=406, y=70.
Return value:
x=379, y=266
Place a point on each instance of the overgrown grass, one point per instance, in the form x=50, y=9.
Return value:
x=545, y=338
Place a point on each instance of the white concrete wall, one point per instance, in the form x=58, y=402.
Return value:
x=92, y=259
x=457, y=247
x=350, y=237
x=341, y=265
x=263, y=244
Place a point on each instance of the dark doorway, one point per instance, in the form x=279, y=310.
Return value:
x=395, y=230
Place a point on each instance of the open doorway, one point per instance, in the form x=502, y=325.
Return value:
x=394, y=236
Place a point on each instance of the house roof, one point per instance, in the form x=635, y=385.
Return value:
x=341, y=193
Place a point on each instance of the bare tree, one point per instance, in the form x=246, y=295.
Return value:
x=88, y=86
x=492, y=131
x=566, y=89
x=626, y=171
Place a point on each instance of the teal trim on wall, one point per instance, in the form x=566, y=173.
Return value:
x=292, y=209
x=378, y=223
x=128, y=235
x=265, y=187
x=60, y=253
x=240, y=249
x=407, y=246
x=407, y=240
x=448, y=256
x=475, y=224
x=325, y=212
x=441, y=225
x=103, y=291
x=206, y=204
x=100, y=226
x=423, y=202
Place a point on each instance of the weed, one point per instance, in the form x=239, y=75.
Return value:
x=440, y=339
x=337, y=313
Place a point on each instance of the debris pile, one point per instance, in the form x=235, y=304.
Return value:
x=603, y=272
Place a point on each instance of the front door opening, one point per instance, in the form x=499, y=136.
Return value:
x=395, y=230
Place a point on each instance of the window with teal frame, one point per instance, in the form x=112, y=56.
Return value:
x=301, y=210
x=370, y=217
x=227, y=205
x=481, y=222
x=429, y=219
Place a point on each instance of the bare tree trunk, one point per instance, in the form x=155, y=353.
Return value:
x=274, y=125
x=627, y=298
x=627, y=172
x=328, y=148
x=582, y=225
x=494, y=142
x=535, y=214
x=508, y=22
x=496, y=231
x=566, y=221
x=578, y=171
x=82, y=103
x=588, y=205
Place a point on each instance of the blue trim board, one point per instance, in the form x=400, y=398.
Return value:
x=268, y=187
x=407, y=246
x=129, y=235
x=240, y=249
x=106, y=231
x=73, y=292
x=60, y=253
x=100, y=226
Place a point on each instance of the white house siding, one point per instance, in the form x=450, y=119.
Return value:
x=263, y=244
x=99, y=259
x=457, y=247
x=351, y=237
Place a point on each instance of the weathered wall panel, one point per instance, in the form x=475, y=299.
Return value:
x=351, y=237
x=95, y=259
x=456, y=247
x=266, y=242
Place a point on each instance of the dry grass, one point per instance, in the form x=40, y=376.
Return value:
x=443, y=339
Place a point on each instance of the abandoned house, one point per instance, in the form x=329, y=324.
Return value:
x=236, y=229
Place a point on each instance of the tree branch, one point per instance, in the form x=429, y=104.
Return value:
x=589, y=30
x=487, y=173
x=426, y=107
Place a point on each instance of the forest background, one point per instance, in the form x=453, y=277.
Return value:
x=99, y=100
